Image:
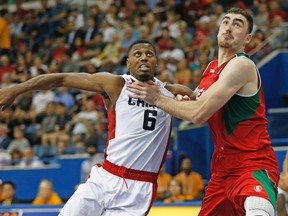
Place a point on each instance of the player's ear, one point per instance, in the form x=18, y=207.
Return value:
x=248, y=39
x=128, y=63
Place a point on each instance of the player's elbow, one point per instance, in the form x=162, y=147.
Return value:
x=198, y=117
x=198, y=120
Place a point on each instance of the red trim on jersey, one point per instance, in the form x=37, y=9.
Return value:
x=154, y=192
x=111, y=126
x=128, y=173
x=166, y=150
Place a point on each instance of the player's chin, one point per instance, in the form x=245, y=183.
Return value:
x=145, y=77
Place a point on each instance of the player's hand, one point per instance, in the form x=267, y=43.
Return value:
x=6, y=98
x=147, y=91
x=182, y=97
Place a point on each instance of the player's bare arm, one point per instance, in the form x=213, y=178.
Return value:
x=238, y=76
x=103, y=83
x=178, y=89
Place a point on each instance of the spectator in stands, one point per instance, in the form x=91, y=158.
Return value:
x=5, y=38
x=163, y=182
x=202, y=30
x=95, y=13
x=183, y=74
x=81, y=119
x=153, y=25
x=59, y=50
x=175, y=192
x=6, y=80
x=1, y=190
x=16, y=27
x=78, y=18
x=45, y=51
x=64, y=96
x=9, y=190
x=98, y=134
x=110, y=56
x=262, y=16
x=5, y=140
x=103, y=5
x=63, y=118
x=185, y=39
x=20, y=11
x=89, y=31
x=274, y=10
x=19, y=142
x=41, y=99
x=21, y=71
x=67, y=64
x=282, y=197
x=5, y=66
x=107, y=30
x=196, y=78
x=38, y=64
x=172, y=23
x=77, y=49
x=163, y=74
x=143, y=32
x=95, y=46
x=63, y=144
x=48, y=125
x=46, y=194
x=29, y=160
x=16, y=156
x=126, y=41
x=172, y=56
x=94, y=158
x=192, y=181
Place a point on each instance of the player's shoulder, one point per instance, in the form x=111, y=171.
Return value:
x=243, y=58
x=242, y=61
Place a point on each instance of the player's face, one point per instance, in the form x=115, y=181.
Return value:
x=233, y=32
x=142, y=61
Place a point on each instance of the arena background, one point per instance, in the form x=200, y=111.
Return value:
x=194, y=140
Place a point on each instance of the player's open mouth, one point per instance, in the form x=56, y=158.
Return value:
x=144, y=67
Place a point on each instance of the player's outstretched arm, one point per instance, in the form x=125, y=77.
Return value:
x=100, y=82
x=232, y=79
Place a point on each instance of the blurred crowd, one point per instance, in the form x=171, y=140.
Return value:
x=186, y=185
x=60, y=38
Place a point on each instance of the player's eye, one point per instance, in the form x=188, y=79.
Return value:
x=137, y=54
x=149, y=54
x=237, y=24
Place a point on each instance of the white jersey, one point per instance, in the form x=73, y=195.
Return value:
x=138, y=132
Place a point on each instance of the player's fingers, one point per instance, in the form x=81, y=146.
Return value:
x=186, y=97
x=179, y=97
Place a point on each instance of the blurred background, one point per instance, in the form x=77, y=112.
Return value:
x=49, y=140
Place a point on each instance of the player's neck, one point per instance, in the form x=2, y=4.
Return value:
x=225, y=55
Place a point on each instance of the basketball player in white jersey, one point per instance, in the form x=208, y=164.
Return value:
x=125, y=184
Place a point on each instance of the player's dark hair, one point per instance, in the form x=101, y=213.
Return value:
x=235, y=10
x=141, y=41
x=9, y=183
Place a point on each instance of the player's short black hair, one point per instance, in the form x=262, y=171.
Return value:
x=235, y=10
x=9, y=183
x=141, y=41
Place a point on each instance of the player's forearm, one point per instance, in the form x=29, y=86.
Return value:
x=41, y=82
x=186, y=110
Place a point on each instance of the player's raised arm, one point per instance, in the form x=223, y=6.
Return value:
x=100, y=82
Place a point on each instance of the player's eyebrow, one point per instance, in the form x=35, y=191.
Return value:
x=236, y=19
